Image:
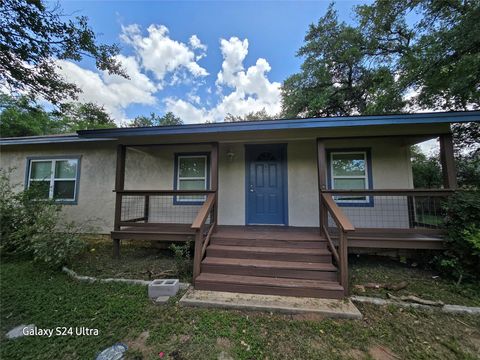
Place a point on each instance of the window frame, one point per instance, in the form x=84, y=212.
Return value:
x=53, y=160
x=176, y=178
x=369, y=201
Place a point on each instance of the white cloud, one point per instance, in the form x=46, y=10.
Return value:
x=251, y=90
x=161, y=55
x=114, y=92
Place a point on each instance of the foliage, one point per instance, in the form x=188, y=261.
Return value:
x=23, y=117
x=83, y=116
x=251, y=116
x=183, y=259
x=34, y=35
x=427, y=172
x=462, y=224
x=389, y=60
x=156, y=120
x=33, y=227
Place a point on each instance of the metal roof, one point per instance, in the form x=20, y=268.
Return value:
x=265, y=125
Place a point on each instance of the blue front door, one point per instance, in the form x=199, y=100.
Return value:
x=266, y=184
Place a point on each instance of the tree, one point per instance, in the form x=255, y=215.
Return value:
x=336, y=77
x=156, y=120
x=427, y=172
x=83, y=116
x=33, y=36
x=373, y=66
x=22, y=117
x=251, y=116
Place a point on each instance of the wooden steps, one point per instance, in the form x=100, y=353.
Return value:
x=269, y=260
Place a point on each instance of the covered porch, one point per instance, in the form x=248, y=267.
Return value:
x=277, y=259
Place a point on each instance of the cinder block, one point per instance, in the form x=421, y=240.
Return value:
x=163, y=287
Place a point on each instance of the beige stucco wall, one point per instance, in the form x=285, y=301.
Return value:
x=152, y=168
x=96, y=201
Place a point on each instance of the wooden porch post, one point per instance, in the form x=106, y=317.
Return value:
x=214, y=178
x=448, y=162
x=322, y=181
x=119, y=185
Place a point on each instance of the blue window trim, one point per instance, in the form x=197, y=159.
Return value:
x=57, y=157
x=175, y=176
x=368, y=151
x=284, y=163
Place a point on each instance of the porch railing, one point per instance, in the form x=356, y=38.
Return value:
x=203, y=231
x=408, y=210
x=329, y=207
x=155, y=207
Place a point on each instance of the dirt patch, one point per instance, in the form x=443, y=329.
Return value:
x=379, y=352
x=354, y=354
x=224, y=343
x=475, y=340
x=184, y=338
x=139, y=344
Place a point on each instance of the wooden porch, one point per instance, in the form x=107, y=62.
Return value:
x=282, y=260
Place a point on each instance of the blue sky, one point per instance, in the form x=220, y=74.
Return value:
x=174, y=51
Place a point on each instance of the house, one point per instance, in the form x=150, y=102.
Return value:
x=273, y=206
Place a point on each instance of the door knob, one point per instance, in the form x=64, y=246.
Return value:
x=252, y=189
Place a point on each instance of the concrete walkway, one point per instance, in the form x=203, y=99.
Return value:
x=285, y=304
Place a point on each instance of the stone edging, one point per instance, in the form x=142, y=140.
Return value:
x=451, y=309
x=74, y=275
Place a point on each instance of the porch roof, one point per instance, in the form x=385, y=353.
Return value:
x=287, y=124
x=246, y=126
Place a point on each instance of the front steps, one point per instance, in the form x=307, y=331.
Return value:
x=269, y=260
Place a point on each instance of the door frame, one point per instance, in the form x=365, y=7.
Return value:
x=283, y=172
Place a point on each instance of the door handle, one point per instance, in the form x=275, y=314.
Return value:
x=251, y=188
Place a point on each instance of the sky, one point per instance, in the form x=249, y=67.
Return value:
x=200, y=60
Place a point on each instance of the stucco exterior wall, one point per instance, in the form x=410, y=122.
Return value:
x=96, y=201
x=152, y=168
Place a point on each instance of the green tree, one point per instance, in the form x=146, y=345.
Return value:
x=371, y=67
x=33, y=35
x=82, y=116
x=427, y=172
x=251, y=116
x=156, y=120
x=22, y=117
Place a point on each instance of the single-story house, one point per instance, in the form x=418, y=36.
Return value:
x=272, y=206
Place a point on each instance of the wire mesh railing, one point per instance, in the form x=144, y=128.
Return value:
x=160, y=207
x=392, y=209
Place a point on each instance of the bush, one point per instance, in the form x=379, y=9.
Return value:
x=183, y=260
x=33, y=227
x=462, y=224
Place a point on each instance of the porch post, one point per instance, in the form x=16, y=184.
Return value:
x=322, y=181
x=119, y=185
x=214, y=178
x=448, y=161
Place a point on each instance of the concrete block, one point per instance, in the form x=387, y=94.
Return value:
x=163, y=287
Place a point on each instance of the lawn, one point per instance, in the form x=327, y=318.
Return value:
x=139, y=260
x=30, y=294
x=423, y=283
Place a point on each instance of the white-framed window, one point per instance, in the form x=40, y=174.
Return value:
x=350, y=171
x=55, y=178
x=191, y=174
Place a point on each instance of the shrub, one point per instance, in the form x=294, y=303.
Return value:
x=183, y=260
x=33, y=227
x=462, y=224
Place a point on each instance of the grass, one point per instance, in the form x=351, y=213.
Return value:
x=421, y=282
x=139, y=260
x=31, y=294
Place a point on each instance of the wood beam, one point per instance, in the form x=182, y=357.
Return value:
x=447, y=160
x=119, y=185
x=322, y=182
x=214, y=181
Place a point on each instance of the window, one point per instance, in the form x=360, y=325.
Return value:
x=54, y=178
x=191, y=173
x=350, y=170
